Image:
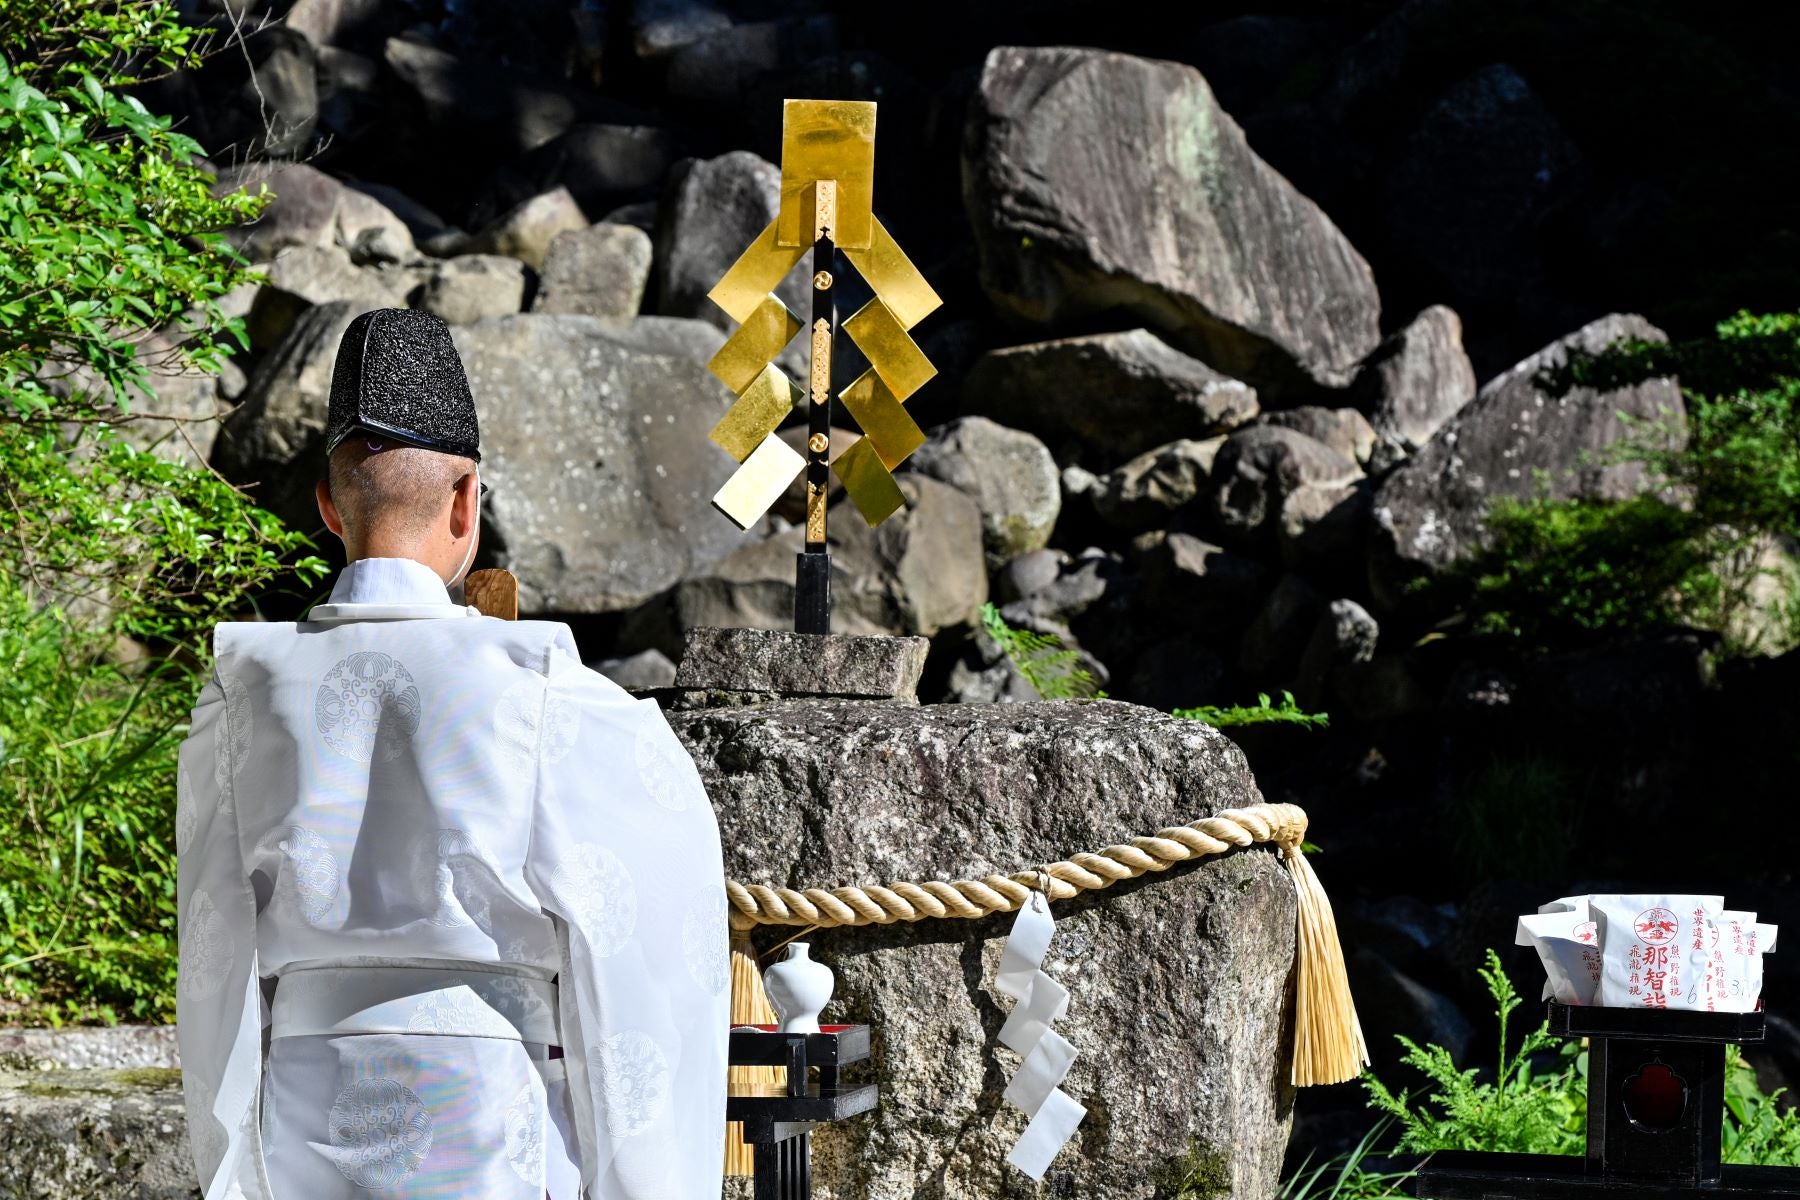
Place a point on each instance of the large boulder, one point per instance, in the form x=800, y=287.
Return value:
x=1417, y=379
x=599, y=271
x=1152, y=488
x=1100, y=182
x=304, y=276
x=274, y=444
x=95, y=1132
x=1010, y=476
x=1343, y=429
x=308, y=208
x=1108, y=397
x=526, y=230
x=595, y=443
x=602, y=165
x=474, y=287
x=920, y=571
x=1516, y=439
x=1184, y=976
x=712, y=210
x=1271, y=486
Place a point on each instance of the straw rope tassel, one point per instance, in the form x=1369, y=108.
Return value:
x=749, y=1006
x=1328, y=1038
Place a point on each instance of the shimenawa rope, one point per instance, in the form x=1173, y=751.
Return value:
x=1328, y=1039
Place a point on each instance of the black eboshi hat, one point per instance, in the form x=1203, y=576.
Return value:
x=398, y=377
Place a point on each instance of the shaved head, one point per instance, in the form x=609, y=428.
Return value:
x=393, y=500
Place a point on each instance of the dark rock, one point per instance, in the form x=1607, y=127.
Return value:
x=1200, y=584
x=333, y=22
x=661, y=27
x=1272, y=646
x=715, y=72
x=1028, y=574
x=1199, y=238
x=983, y=674
x=795, y=665
x=1474, y=184
x=1392, y=1003
x=1389, y=687
x=1345, y=635
x=420, y=221
x=274, y=444
x=602, y=166
x=349, y=93
x=1414, y=382
x=95, y=1133
x=595, y=443
x=647, y=670
x=1271, y=485
x=1403, y=930
x=525, y=232
x=1083, y=582
x=309, y=208
x=1515, y=440
x=828, y=793
x=599, y=271
x=1108, y=397
x=304, y=276
x=1150, y=489
x=919, y=572
x=1342, y=429
x=1246, y=59
x=641, y=215
x=712, y=210
x=474, y=287
x=1180, y=672
x=1010, y=476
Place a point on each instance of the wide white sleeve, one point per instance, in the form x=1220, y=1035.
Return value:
x=218, y=1004
x=625, y=858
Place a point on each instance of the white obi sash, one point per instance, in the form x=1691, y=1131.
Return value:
x=446, y=1001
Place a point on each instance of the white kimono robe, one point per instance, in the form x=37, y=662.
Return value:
x=418, y=848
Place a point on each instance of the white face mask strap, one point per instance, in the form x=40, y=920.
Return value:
x=469, y=555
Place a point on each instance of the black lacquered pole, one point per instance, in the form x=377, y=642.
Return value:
x=812, y=575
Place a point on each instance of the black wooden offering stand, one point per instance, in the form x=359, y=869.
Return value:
x=1656, y=1113
x=780, y=1127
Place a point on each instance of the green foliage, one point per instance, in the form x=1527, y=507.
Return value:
x=1760, y=1130
x=1265, y=711
x=1048, y=666
x=1516, y=1111
x=1348, y=1176
x=107, y=221
x=1521, y=1110
x=1695, y=553
x=114, y=561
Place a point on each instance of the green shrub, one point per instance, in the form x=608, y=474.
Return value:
x=1285, y=711
x=1692, y=554
x=1052, y=669
x=114, y=562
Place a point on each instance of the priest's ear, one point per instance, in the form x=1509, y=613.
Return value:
x=334, y=521
x=465, y=506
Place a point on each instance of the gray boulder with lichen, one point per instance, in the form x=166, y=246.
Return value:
x=1179, y=982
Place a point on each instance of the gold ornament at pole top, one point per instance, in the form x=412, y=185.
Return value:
x=827, y=185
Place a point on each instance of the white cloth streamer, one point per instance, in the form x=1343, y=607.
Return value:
x=1048, y=1056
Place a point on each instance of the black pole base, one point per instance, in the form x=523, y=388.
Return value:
x=812, y=592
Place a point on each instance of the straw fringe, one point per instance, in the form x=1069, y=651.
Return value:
x=749, y=1006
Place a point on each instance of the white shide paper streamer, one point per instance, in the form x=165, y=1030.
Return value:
x=1048, y=1056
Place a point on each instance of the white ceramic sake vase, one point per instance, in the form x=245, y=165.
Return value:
x=799, y=988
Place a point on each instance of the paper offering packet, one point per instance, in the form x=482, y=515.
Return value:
x=1568, y=944
x=1648, y=946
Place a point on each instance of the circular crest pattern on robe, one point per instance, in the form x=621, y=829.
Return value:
x=367, y=707
x=380, y=1132
x=186, y=819
x=634, y=1082
x=442, y=863
x=458, y=1012
x=705, y=942
x=601, y=897
x=233, y=739
x=525, y=1134
x=312, y=874
x=667, y=773
x=206, y=953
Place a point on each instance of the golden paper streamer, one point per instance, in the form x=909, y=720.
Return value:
x=884, y=420
x=893, y=277
x=760, y=482
x=758, y=271
x=755, y=344
x=879, y=334
x=827, y=139
x=868, y=482
x=762, y=408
